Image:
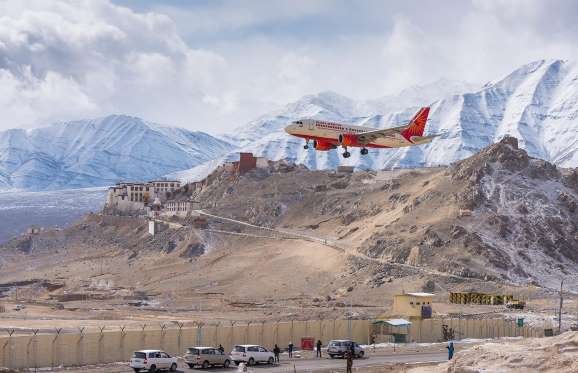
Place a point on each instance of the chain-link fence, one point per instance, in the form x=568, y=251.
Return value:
x=85, y=346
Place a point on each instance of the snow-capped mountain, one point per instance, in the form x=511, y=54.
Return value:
x=100, y=152
x=537, y=103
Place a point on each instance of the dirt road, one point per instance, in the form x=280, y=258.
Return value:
x=301, y=365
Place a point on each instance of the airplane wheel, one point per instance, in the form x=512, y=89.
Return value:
x=306, y=147
x=346, y=155
x=364, y=151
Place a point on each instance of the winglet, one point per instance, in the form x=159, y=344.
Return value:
x=416, y=126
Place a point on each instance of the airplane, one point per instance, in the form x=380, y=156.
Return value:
x=329, y=135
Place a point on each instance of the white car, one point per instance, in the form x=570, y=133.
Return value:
x=252, y=354
x=152, y=361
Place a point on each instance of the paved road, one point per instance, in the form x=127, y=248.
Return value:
x=301, y=365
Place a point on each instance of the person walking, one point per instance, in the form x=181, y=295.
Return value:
x=290, y=350
x=349, y=359
x=450, y=348
x=319, y=348
x=276, y=352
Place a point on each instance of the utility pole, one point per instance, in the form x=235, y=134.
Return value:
x=560, y=309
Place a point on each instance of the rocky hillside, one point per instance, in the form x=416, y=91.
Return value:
x=497, y=220
x=499, y=214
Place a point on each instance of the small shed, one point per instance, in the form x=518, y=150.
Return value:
x=413, y=305
x=395, y=330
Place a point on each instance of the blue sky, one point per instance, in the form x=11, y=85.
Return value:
x=214, y=65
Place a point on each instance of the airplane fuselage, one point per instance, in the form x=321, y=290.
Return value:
x=329, y=133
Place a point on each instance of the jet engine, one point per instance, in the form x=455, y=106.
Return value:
x=323, y=145
x=347, y=139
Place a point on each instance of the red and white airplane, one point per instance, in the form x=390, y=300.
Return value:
x=329, y=135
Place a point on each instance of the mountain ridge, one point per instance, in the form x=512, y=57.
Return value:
x=537, y=103
x=99, y=152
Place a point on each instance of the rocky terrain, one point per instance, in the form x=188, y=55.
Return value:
x=321, y=242
x=558, y=354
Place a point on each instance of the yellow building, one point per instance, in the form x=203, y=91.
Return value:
x=413, y=305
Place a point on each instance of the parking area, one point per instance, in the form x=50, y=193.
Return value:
x=299, y=365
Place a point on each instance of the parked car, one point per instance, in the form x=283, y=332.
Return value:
x=339, y=347
x=252, y=354
x=206, y=357
x=152, y=361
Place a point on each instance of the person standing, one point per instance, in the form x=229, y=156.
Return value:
x=276, y=352
x=319, y=344
x=349, y=358
x=450, y=348
x=221, y=348
x=290, y=350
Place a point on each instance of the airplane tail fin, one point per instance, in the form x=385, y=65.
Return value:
x=416, y=126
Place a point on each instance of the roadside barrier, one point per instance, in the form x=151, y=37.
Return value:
x=87, y=346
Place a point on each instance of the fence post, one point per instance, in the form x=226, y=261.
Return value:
x=8, y=345
x=333, y=334
x=100, y=346
x=247, y=332
x=180, y=335
x=216, y=334
x=163, y=333
x=34, y=342
x=277, y=332
x=200, y=333
x=262, y=333
x=53, y=347
x=233, y=333
x=80, y=347
x=143, y=336
x=122, y=335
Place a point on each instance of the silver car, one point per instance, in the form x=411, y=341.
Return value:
x=206, y=357
x=339, y=347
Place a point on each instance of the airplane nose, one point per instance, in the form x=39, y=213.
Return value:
x=288, y=128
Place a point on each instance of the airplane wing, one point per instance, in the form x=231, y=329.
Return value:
x=415, y=127
x=369, y=136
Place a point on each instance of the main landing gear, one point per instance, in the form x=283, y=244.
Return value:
x=306, y=146
x=347, y=154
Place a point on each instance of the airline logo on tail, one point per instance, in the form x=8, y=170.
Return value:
x=416, y=126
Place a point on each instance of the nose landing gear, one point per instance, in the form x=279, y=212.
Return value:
x=306, y=146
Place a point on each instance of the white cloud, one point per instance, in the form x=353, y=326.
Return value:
x=72, y=59
x=215, y=65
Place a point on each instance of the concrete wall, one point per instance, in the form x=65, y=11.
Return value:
x=92, y=346
x=430, y=330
